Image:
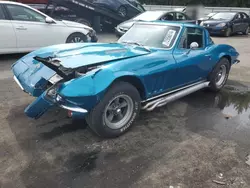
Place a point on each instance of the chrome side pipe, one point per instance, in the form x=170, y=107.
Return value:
x=172, y=97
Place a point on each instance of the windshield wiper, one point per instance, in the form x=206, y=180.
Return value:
x=138, y=44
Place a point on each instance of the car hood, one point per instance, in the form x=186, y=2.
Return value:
x=209, y=21
x=74, y=24
x=127, y=24
x=35, y=69
x=85, y=54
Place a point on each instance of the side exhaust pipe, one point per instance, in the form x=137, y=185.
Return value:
x=172, y=97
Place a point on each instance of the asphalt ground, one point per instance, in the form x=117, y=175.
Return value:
x=200, y=141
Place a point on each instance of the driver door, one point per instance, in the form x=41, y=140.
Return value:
x=193, y=65
x=31, y=29
x=237, y=23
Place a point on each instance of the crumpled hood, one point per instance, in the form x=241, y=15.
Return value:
x=34, y=76
x=77, y=55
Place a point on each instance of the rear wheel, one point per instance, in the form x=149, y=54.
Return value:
x=76, y=38
x=219, y=76
x=122, y=11
x=114, y=115
x=246, y=31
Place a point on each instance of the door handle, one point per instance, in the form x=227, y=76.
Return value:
x=21, y=28
x=208, y=56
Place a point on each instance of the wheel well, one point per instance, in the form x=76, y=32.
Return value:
x=136, y=82
x=228, y=57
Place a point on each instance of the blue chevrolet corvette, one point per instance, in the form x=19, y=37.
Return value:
x=108, y=84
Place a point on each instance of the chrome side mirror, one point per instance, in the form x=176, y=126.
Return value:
x=194, y=45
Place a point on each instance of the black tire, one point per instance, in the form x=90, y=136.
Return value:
x=97, y=118
x=246, y=31
x=215, y=84
x=83, y=21
x=122, y=11
x=228, y=32
x=77, y=38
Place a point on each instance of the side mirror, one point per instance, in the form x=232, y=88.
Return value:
x=194, y=45
x=49, y=20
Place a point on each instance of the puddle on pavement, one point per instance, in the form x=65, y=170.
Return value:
x=226, y=114
x=233, y=104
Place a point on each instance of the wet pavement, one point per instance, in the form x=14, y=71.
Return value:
x=200, y=141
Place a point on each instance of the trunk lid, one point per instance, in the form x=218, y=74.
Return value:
x=33, y=75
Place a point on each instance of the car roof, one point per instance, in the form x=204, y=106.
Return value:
x=10, y=2
x=163, y=11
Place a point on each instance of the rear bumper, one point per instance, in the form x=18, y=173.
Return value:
x=236, y=61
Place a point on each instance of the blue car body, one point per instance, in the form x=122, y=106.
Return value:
x=153, y=71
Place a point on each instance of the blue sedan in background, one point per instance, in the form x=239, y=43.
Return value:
x=108, y=84
x=125, y=8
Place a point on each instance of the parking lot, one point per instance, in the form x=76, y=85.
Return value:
x=199, y=141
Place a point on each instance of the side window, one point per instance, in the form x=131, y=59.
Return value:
x=21, y=13
x=2, y=16
x=238, y=16
x=244, y=15
x=192, y=34
x=168, y=16
x=180, y=16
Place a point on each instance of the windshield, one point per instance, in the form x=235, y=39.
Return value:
x=158, y=36
x=148, y=16
x=225, y=16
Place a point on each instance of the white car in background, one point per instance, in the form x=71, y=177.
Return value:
x=24, y=29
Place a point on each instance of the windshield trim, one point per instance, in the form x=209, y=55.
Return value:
x=159, y=24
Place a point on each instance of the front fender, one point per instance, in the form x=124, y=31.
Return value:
x=88, y=90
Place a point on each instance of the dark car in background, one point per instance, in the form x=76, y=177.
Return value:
x=125, y=8
x=227, y=23
x=153, y=16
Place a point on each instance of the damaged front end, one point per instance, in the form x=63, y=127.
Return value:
x=47, y=93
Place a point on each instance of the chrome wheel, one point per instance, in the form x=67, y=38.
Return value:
x=221, y=76
x=118, y=112
x=77, y=40
x=122, y=11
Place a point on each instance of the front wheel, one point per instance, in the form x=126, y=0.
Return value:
x=228, y=32
x=76, y=38
x=116, y=112
x=219, y=76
